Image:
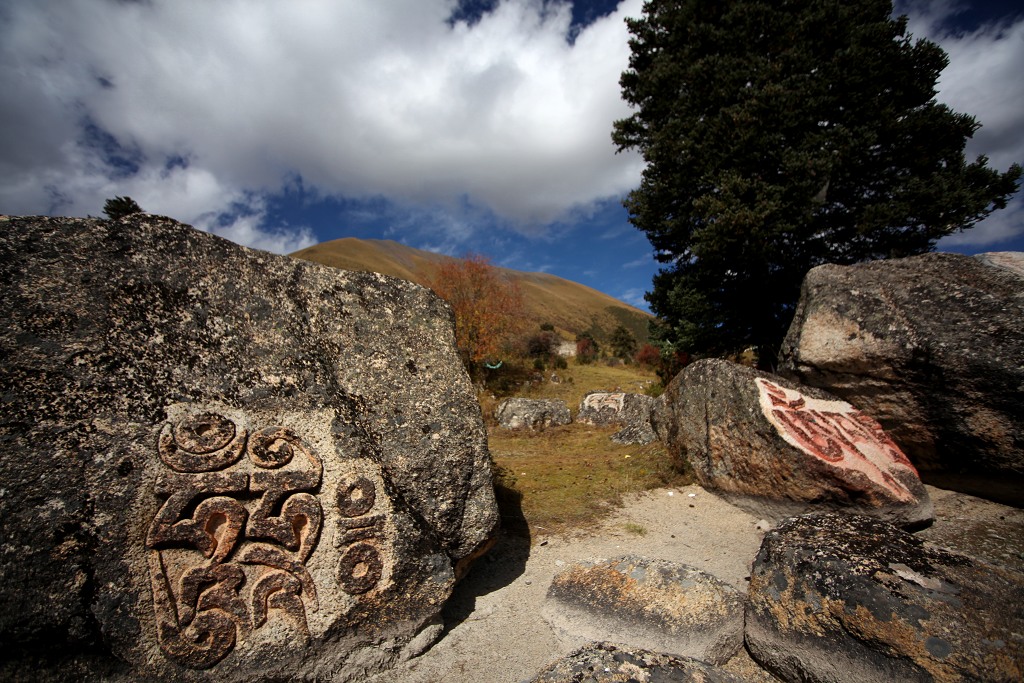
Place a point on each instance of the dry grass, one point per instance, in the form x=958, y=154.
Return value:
x=577, y=380
x=571, y=477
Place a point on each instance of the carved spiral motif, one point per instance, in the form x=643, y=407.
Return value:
x=201, y=443
x=273, y=447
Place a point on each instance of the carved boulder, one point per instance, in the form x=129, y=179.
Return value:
x=777, y=448
x=933, y=348
x=838, y=597
x=635, y=412
x=532, y=413
x=222, y=464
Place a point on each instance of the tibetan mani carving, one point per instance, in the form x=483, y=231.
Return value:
x=228, y=546
x=837, y=433
x=599, y=401
x=360, y=566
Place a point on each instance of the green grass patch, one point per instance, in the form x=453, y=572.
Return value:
x=571, y=477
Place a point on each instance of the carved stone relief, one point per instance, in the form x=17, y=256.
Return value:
x=240, y=518
x=837, y=433
x=597, y=401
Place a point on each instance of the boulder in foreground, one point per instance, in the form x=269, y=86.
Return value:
x=836, y=598
x=777, y=448
x=221, y=463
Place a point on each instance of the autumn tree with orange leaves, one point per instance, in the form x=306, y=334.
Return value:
x=488, y=308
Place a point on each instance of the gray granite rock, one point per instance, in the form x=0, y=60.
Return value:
x=836, y=598
x=634, y=412
x=532, y=413
x=648, y=604
x=222, y=464
x=933, y=348
x=777, y=448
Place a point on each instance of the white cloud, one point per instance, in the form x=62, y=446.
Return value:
x=982, y=79
x=635, y=297
x=646, y=260
x=360, y=98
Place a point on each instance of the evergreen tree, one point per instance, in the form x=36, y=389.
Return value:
x=119, y=207
x=623, y=343
x=779, y=136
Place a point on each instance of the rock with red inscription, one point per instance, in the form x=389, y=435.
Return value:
x=651, y=604
x=933, y=348
x=838, y=597
x=222, y=464
x=777, y=448
x=606, y=663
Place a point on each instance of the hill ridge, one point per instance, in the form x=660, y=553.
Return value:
x=572, y=307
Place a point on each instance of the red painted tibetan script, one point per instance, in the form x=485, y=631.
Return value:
x=837, y=433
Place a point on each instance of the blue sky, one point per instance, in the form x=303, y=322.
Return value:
x=479, y=126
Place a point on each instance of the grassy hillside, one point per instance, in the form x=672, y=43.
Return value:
x=571, y=307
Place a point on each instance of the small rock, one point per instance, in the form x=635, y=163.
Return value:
x=651, y=604
x=606, y=663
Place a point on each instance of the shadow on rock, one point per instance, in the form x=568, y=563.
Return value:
x=502, y=565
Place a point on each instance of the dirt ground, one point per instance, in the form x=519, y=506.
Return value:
x=493, y=628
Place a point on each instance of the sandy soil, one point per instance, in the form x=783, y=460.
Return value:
x=493, y=628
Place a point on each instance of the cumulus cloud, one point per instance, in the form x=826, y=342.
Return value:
x=193, y=106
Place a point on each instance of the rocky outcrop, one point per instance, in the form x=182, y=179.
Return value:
x=650, y=604
x=532, y=413
x=633, y=411
x=837, y=598
x=604, y=663
x=224, y=464
x=933, y=348
x=777, y=448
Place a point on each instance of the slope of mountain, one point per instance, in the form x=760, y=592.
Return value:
x=571, y=307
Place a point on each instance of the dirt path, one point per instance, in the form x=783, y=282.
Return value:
x=494, y=631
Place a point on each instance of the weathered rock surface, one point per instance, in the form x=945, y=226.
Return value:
x=221, y=464
x=839, y=598
x=777, y=449
x=605, y=663
x=532, y=413
x=650, y=604
x=933, y=348
x=633, y=411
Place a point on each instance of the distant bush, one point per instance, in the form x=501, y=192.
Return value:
x=542, y=344
x=587, y=350
x=119, y=207
x=649, y=356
